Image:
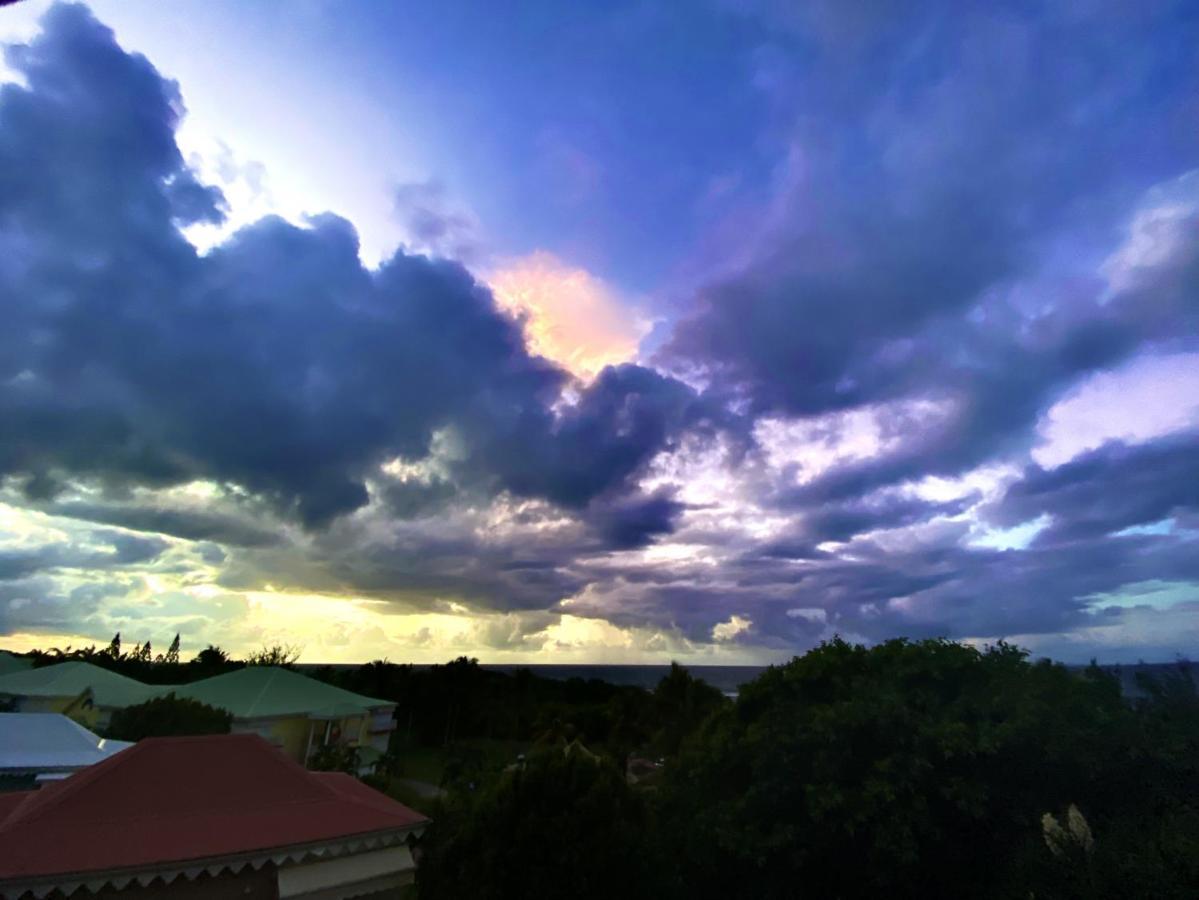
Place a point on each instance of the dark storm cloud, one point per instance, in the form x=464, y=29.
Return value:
x=631, y=522
x=39, y=603
x=1108, y=490
x=121, y=550
x=423, y=566
x=918, y=197
x=842, y=520
x=191, y=524
x=927, y=588
x=624, y=417
x=948, y=187
x=276, y=362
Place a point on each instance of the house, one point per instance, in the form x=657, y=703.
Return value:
x=204, y=817
x=296, y=713
x=47, y=746
x=77, y=689
x=10, y=662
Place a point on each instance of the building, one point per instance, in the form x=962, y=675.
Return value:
x=10, y=662
x=47, y=746
x=296, y=713
x=80, y=690
x=205, y=817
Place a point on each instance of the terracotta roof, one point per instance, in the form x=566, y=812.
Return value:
x=174, y=800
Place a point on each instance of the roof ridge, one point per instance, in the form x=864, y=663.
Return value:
x=266, y=683
x=55, y=794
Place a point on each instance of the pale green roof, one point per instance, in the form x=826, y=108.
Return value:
x=265, y=691
x=12, y=663
x=70, y=679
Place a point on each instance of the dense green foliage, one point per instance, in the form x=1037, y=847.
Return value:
x=562, y=823
x=909, y=769
x=166, y=717
x=446, y=705
x=925, y=769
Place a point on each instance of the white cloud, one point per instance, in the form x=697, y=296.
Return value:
x=1147, y=398
x=727, y=631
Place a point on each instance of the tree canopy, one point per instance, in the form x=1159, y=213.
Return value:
x=926, y=769
x=166, y=717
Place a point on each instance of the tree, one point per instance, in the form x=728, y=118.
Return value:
x=682, y=702
x=114, y=647
x=563, y=824
x=906, y=769
x=171, y=657
x=211, y=657
x=168, y=716
x=275, y=655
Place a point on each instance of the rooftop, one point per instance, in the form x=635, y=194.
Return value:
x=167, y=801
x=10, y=662
x=266, y=691
x=69, y=679
x=45, y=742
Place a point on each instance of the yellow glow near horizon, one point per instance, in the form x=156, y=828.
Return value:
x=571, y=316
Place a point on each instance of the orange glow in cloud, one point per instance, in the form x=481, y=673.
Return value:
x=570, y=316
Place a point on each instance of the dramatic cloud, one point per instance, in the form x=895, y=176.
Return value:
x=906, y=257
x=276, y=362
x=928, y=370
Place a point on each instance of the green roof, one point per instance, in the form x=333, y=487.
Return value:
x=265, y=691
x=70, y=679
x=12, y=663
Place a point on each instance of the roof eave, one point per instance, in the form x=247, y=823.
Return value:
x=44, y=885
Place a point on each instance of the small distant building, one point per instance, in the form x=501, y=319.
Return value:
x=10, y=662
x=205, y=817
x=48, y=746
x=80, y=690
x=296, y=713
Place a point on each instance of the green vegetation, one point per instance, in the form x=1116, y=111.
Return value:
x=924, y=769
x=563, y=823
x=909, y=769
x=166, y=716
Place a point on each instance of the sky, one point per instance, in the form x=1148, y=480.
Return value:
x=600, y=333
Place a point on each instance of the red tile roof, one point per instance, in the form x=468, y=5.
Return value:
x=169, y=800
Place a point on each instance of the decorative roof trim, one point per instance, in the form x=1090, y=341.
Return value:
x=92, y=883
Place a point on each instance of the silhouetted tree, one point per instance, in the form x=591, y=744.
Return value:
x=171, y=657
x=682, y=702
x=283, y=655
x=167, y=716
x=211, y=657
